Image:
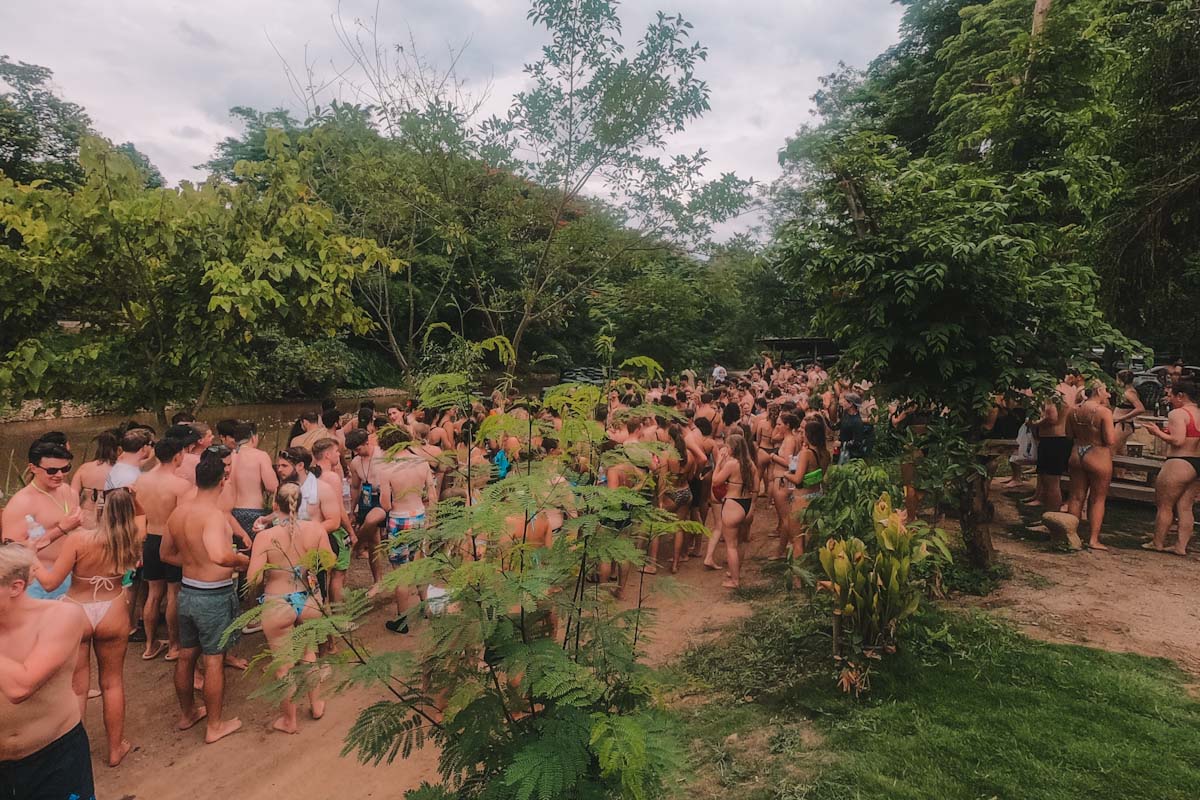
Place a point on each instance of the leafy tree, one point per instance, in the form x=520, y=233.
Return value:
x=165, y=287
x=39, y=131
x=252, y=144
x=150, y=174
x=596, y=117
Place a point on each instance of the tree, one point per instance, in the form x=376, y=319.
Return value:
x=597, y=118
x=163, y=288
x=39, y=131
x=150, y=174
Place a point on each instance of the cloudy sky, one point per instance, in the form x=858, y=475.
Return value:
x=164, y=73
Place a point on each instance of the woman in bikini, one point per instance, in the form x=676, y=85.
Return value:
x=1177, y=484
x=1090, y=427
x=88, y=481
x=739, y=476
x=807, y=476
x=285, y=559
x=1128, y=410
x=779, y=462
x=765, y=437
x=101, y=562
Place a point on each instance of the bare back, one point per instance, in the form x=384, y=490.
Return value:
x=199, y=531
x=159, y=492
x=251, y=476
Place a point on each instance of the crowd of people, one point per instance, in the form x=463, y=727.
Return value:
x=151, y=539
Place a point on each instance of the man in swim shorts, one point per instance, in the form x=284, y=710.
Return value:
x=405, y=477
x=328, y=463
x=43, y=746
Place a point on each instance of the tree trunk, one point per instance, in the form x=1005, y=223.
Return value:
x=976, y=526
x=1041, y=10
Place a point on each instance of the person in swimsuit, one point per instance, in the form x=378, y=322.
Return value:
x=327, y=458
x=366, y=475
x=737, y=473
x=159, y=492
x=779, y=462
x=44, y=749
x=675, y=495
x=251, y=477
x=406, y=477
x=88, y=481
x=1177, y=483
x=284, y=559
x=101, y=562
x=1090, y=427
x=44, y=512
x=806, y=475
x=1128, y=410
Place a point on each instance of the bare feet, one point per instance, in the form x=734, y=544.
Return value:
x=283, y=726
x=235, y=662
x=318, y=709
x=1177, y=552
x=172, y=654
x=650, y=569
x=1152, y=546
x=115, y=759
x=1096, y=546
x=729, y=584
x=710, y=565
x=198, y=713
x=227, y=727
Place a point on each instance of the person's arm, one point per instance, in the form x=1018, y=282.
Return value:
x=266, y=474
x=431, y=493
x=803, y=467
x=331, y=507
x=12, y=522
x=61, y=528
x=219, y=547
x=238, y=532
x=385, y=490
x=167, y=551
x=52, y=578
x=1108, y=430
x=1176, y=432
x=77, y=484
x=258, y=560
x=57, y=642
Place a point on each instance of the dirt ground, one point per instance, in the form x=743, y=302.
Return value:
x=256, y=763
x=1126, y=599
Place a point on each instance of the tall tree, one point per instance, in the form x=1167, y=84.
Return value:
x=39, y=131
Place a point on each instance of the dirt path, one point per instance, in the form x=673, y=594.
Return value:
x=255, y=764
x=1126, y=599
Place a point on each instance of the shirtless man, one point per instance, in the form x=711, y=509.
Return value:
x=251, y=477
x=199, y=538
x=1054, y=453
x=159, y=492
x=51, y=505
x=404, y=479
x=192, y=439
x=327, y=457
x=43, y=746
x=366, y=476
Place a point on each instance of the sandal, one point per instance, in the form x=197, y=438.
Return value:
x=160, y=646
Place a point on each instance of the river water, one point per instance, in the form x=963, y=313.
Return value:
x=274, y=421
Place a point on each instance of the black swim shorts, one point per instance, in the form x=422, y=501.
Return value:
x=1054, y=454
x=153, y=567
x=61, y=769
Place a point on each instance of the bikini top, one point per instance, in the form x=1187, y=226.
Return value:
x=109, y=582
x=1192, y=431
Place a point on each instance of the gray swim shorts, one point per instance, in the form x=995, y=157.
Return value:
x=204, y=614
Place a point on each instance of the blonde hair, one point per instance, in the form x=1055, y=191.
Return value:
x=288, y=500
x=118, y=531
x=740, y=450
x=16, y=563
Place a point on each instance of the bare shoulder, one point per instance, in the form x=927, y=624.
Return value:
x=60, y=617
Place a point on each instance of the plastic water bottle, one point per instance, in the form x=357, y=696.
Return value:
x=36, y=530
x=346, y=495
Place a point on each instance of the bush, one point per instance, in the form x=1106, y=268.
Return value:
x=282, y=367
x=846, y=507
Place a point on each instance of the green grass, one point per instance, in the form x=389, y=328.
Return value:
x=968, y=709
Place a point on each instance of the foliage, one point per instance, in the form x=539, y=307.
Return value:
x=282, y=367
x=530, y=684
x=169, y=284
x=845, y=508
x=1046, y=716
x=874, y=590
x=40, y=132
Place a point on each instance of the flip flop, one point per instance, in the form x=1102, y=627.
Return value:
x=162, y=643
x=1150, y=546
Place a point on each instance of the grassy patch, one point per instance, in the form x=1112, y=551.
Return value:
x=968, y=709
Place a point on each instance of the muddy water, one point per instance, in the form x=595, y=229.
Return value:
x=274, y=421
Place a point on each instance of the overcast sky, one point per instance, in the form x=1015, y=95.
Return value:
x=164, y=73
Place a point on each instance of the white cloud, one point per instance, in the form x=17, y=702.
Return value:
x=164, y=73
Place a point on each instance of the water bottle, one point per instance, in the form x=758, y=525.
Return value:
x=346, y=495
x=36, y=530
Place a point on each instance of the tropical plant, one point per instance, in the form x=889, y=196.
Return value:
x=526, y=675
x=845, y=507
x=874, y=588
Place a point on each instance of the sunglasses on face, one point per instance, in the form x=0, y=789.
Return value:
x=54, y=470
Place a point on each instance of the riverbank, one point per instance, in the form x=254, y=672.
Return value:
x=35, y=410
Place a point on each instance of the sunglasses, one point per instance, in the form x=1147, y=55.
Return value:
x=218, y=449
x=54, y=470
